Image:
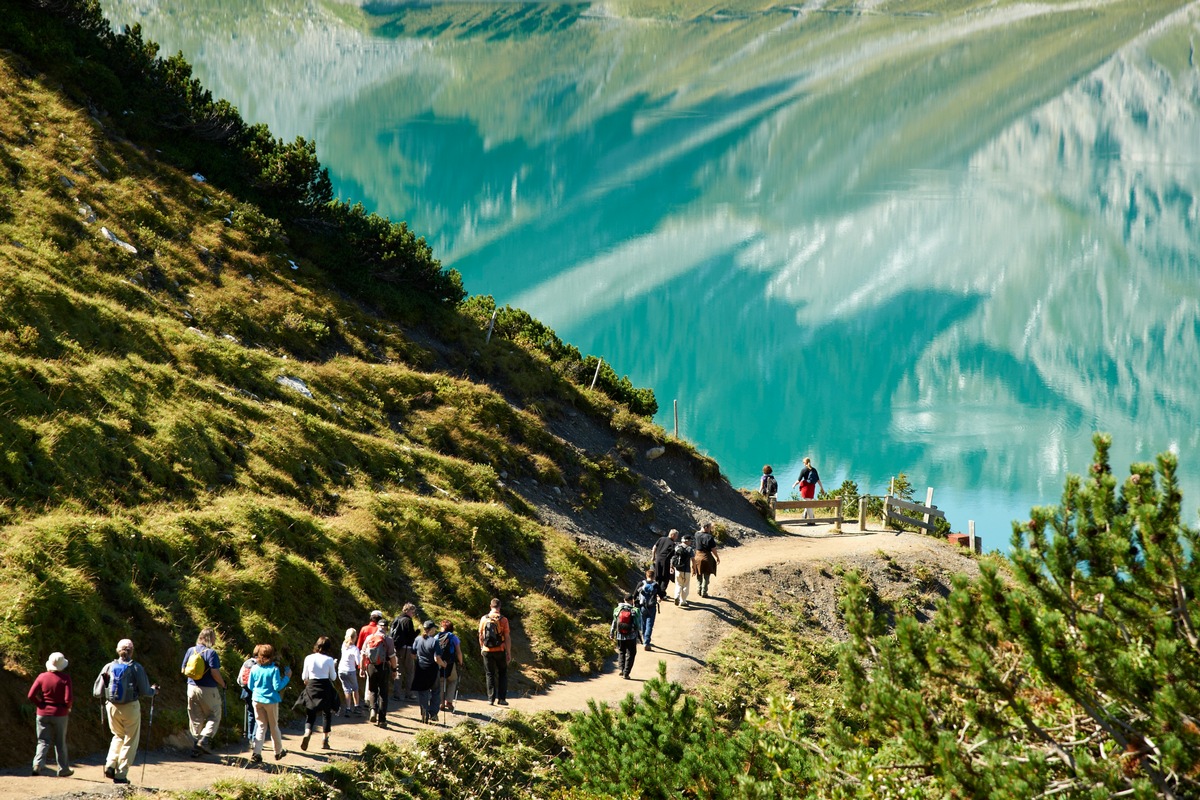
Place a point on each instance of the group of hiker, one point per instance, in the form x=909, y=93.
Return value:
x=672, y=558
x=400, y=661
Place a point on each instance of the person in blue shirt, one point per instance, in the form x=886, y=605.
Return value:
x=267, y=680
x=204, y=694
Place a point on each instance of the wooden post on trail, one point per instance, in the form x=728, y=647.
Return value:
x=862, y=513
x=892, y=488
x=491, y=325
x=676, y=403
x=928, y=503
x=976, y=544
x=599, y=364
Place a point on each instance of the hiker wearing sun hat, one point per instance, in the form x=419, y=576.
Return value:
x=52, y=695
x=122, y=683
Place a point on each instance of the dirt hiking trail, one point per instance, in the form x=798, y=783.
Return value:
x=682, y=638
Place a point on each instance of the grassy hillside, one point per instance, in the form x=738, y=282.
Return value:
x=202, y=425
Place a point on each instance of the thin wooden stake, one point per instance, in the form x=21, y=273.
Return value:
x=928, y=503
x=971, y=535
x=491, y=325
x=676, y=404
x=599, y=364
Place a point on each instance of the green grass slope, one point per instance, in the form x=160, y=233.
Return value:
x=208, y=431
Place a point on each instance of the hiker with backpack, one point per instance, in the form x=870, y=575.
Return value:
x=370, y=627
x=122, y=683
x=660, y=558
x=348, y=673
x=245, y=695
x=627, y=631
x=377, y=667
x=646, y=597
x=52, y=694
x=496, y=649
x=452, y=654
x=267, y=682
x=320, y=694
x=427, y=678
x=681, y=564
x=403, y=633
x=704, y=565
x=205, y=690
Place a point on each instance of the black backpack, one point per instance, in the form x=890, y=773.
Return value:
x=682, y=558
x=491, y=634
x=772, y=486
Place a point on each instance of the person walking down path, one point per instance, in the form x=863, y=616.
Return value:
x=452, y=654
x=320, y=694
x=403, y=633
x=52, y=694
x=205, y=690
x=370, y=627
x=646, y=597
x=427, y=679
x=122, y=683
x=348, y=673
x=807, y=483
x=660, y=559
x=681, y=563
x=267, y=681
x=704, y=565
x=626, y=630
x=496, y=649
x=378, y=665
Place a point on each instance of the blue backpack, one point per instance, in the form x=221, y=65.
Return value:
x=647, y=594
x=118, y=682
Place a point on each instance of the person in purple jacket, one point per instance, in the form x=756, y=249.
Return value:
x=52, y=695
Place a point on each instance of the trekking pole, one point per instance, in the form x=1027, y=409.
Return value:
x=149, y=728
x=444, y=698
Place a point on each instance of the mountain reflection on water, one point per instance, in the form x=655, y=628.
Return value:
x=953, y=244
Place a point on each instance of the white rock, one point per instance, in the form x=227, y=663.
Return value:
x=656, y=452
x=198, y=178
x=295, y=384
x=198, y=332
x=107, y=234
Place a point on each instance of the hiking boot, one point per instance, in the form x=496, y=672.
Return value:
x=676, y=601
x=120, y=779
x=37, y=772
x=502, y=702
x=110, y=771
x=647, y=648
x=66, y=773
x=374, y=716
x=280, y=754
x=491, y=701
x=449, y=707
x=204, y=744
x=307, y=735
x=195, y=751
x=256, y=758
x=325, y=742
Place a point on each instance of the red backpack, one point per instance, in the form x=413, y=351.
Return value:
x=375, y=649
x=625, y=621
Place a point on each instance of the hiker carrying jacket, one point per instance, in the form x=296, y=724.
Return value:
x=320, y=694
x=626, y=630
x=704, y=565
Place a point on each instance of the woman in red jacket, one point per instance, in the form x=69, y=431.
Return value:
x=52, y=696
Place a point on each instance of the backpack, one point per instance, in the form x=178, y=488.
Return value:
x=625, y=621
x=491, y=634
x=682, y=558
x=195, y=667
x=646, y=594
x=772, y=486
x=115, y=683
x=375, y=649
x=244, y=673
x=446, y=645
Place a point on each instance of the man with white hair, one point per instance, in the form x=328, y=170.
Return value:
x=122, y=683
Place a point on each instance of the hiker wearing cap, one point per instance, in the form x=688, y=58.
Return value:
x=122, y=683
x=704, y=565
x=452, y=654
x=205, y=692
x=369, y=628
x=427, y=676
x=626, y=630
x=52, y=696
x=681, y=562
x=660, y=557
x=377, y=665
x=496, y=649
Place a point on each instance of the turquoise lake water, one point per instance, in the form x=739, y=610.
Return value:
x=949, y=239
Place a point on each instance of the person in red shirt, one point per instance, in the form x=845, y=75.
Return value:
x=52, y=695
x=496, y=649
x=369, y=628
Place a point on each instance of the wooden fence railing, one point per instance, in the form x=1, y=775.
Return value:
x=895, y=508
x=794, y=505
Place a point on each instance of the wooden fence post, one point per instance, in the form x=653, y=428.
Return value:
x=599, y=364
x=928, y=504
x=862, y=513
x=676, y=404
